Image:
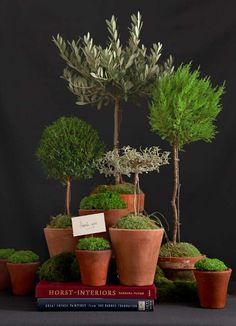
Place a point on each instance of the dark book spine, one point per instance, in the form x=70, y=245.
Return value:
x=77, y=304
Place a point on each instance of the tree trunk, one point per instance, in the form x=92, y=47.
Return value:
x=117, y=124
x=68, y=195
x=175, y=194
x=136, y=191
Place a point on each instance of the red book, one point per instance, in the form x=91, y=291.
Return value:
x=45, y=289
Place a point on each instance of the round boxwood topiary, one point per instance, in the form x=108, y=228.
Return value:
x=210, y=264
x=60, y=268
x=135, y=222
x=103, y=200
x=120, y=188
x=180, y=249
x=93, y=243
x=23, y=257
x=6, y=253
x=60, y=221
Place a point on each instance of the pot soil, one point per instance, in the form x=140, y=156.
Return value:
x=22, y=277
x=129, y=200
x=5, y=282
x=136, y=253
x=93, y=266
x=212, y=288
x=60, y=240
x=179, y=268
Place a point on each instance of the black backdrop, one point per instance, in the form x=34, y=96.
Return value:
x=32, y=96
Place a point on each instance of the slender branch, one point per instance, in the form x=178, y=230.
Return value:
x=117, y=123
x=175, y=192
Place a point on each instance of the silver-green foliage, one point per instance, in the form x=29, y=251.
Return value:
x=97, y=74
x=68, y=148
x=185, y=106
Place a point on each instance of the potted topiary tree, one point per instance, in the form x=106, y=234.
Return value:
x=4, y=274
x=93, y=255
x=22, y=266
x=129, y=161
x=105, y=76
x=212, y=277
x=136, y=242
x=67, y=150
x=183, y=110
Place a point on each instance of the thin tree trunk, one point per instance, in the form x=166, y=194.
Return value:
x=136, y=190
x=68, y=195
x=175, y=194
x=117, y=124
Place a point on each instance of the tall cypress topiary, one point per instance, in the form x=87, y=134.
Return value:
x=68, y=150
x=183, y=110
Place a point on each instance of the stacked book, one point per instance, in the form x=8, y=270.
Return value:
x=54, y=296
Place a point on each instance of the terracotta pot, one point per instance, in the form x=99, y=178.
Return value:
x=179, y=268
x=60, y=240
x=129, y=199
x=136, y=253
x=22, y=277
x=212, y=288
x=111, y=216
x=93, y=266
x=5, y=282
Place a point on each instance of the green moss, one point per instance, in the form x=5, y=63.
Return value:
x=210, y=264
x=60, y=221
x=121, y=188
x=23, y=257
x=103, y=200
x=6, y=253
x=181, y=249
x=135, y=222
x=60, y=268
x=93, y=243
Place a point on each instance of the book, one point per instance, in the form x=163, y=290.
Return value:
x=85, y=304
x=45, y=289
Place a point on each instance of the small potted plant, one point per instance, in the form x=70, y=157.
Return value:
x=93, y=255
x=4, y=274
x=22, y=266
x=108, y=203
x=212, y=277
x=136, y=241
x=67, y=150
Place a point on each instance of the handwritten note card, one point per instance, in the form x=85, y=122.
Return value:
x=88, y=224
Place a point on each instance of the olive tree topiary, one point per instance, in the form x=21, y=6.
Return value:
x=67, y=150
x=107, y=75
x=183, y=110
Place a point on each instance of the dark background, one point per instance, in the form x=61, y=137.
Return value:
x=32, y=95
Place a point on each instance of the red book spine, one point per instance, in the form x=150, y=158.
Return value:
x=72, y=290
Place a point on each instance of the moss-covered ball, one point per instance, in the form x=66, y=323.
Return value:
x=23, y=257
x=6, y=253
x=93, y=243
x=60, y=221
x=103, y=200
x=180, y=249
x=132, y=221
x=211, y=264
x=120, y=188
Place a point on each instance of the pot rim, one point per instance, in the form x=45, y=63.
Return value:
x=137, y=230
x=213, y=272
x=51, y=228
x=104, y=250
x=23, y=264
x=102, y=210
x=169, y=258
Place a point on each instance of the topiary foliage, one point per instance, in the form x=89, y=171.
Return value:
x=180, y=249
x=120, y=188
x=60, y=221
x=210, y=264
x=23, y=257
x=93, y=243
x=60, y=268
x=135, y=222
x=6, y=253
x=103, y=200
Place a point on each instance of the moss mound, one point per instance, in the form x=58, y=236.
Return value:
x=23, y=257
x=103, y=200
x=181, y=249
x=60, y=221
x=121, y=188
x=6, y=253
x=93, y=243
x=135, y=222
x=60, y=268
x=211, y=264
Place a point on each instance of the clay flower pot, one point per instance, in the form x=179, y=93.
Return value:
x=129, y=200
x=136, y=253
x=212, y=287
x=4, y=275
x=22, y=277
x=60, y=240
x=93, y=266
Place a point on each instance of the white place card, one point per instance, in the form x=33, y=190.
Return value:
x=88, y=224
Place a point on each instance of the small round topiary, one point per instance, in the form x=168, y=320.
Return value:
x=120, y=188
x=60, y=268
x=180, y=249
x=210, y=264
x=92, y=243
x=23, y=257
x=6, y=253
x=60, y=221
x=135, y=222
x=103, y=200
